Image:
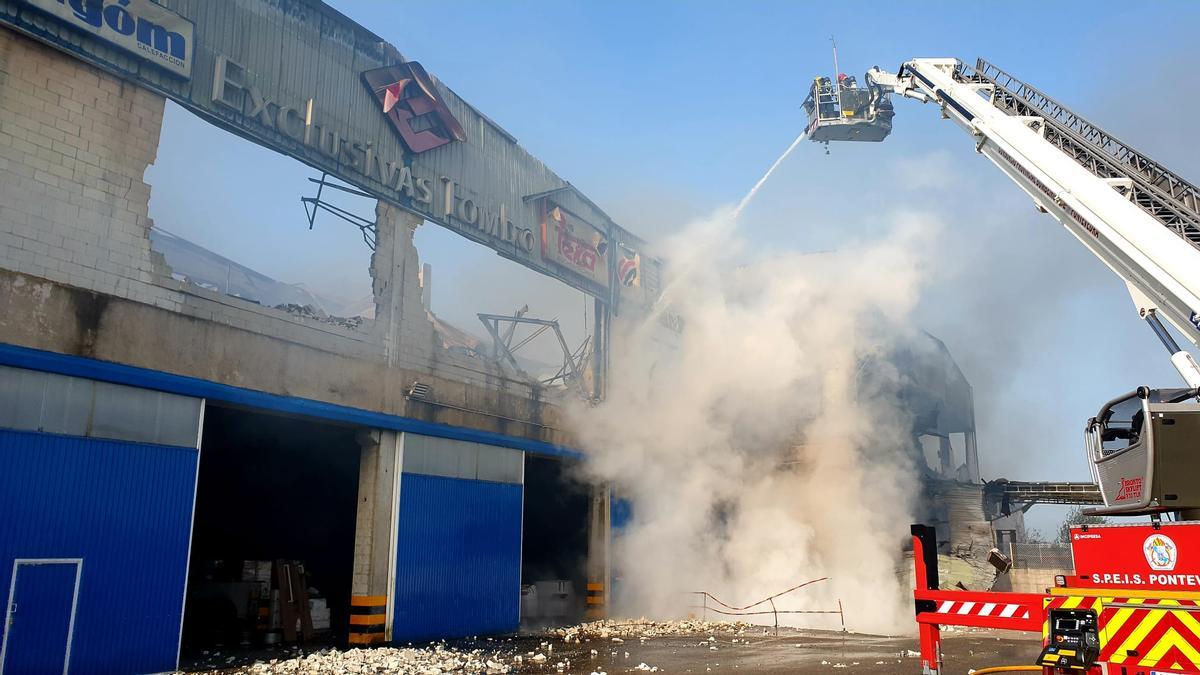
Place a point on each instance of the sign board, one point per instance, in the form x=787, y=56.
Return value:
x=145, y=29
x=1138, y=556
x=300, y=78
x=411, y=103
x=573, y=244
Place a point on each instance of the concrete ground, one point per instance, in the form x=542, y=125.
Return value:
x=715, y=648
x=792, y=651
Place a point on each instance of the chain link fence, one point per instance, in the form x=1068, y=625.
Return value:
x=1042, y=556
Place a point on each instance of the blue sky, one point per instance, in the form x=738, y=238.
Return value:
x=663, y=111
x=698, y=95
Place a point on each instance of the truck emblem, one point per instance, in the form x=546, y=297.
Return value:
x=1160, y=552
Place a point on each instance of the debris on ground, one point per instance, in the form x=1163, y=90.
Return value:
x=712, y=647
x=619, y=631
x=422, y=661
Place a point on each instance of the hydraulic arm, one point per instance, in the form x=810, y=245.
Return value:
x=1139, y=219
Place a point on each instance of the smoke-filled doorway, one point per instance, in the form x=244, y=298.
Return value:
x=554, y=546
x=271, y=488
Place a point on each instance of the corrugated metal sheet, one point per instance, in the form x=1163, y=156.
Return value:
x=125, y=509
x=433, y=456
x=458, y=559
x=33, y=400
x=37, y=359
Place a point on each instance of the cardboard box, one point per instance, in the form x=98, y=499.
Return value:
x=256, y=570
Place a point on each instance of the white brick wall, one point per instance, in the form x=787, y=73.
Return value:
x=74, y=145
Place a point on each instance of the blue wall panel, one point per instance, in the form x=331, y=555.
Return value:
x=458, y=563
x=126, y=510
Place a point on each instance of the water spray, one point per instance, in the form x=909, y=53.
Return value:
x=663, y=300
x=737, y=212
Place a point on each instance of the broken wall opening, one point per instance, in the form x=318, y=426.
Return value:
x=270, y=488
x=273, y=231
x=946, y=456
x=554, y=547
x=461, y=280
x=227, y=217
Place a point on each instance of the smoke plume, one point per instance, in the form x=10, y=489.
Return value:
x=754, y=453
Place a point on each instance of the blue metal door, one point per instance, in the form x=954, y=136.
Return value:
x=40, y=617
x=126, y=509
x=458, y=563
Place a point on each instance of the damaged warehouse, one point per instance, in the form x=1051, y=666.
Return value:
x=194, y=464
x=275, y=453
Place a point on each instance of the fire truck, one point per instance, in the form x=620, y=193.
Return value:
x=1132, y=606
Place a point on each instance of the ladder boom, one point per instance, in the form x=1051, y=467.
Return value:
x=1165, y=196
x=1135, y=216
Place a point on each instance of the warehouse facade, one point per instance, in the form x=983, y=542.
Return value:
x=160, y=441
x=105, y=497
x=168, y=453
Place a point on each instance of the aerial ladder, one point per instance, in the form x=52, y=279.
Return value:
x=1132, y=606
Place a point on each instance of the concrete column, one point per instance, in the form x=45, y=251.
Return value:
x=598, y=560
x=946, y=456
x=374, y=541
x=971, y=450
x=427, y=287
x=400, y=319
x=972, y=457
x=601, y=320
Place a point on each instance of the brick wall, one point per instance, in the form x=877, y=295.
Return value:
x=74, y=145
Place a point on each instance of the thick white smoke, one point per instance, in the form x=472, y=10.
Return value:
x=754, y=453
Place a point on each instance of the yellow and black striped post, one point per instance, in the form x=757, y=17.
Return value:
x=599, y=537
x=368, y=620
x=595, y=601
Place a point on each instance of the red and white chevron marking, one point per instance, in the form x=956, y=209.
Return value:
x=999, y=610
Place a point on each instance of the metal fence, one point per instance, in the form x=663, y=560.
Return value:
x=709, y=603
x=1042, y=556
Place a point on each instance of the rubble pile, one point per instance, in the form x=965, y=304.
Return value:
x=617, y=631
x=318, y=314
x=533, y=653
x=430, y=660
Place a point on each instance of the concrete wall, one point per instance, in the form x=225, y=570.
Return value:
x=78, y=276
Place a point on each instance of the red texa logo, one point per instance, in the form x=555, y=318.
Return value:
x=412, y=104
